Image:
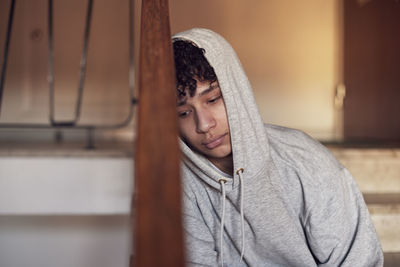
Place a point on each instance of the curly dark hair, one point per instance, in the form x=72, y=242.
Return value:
x=190, y=64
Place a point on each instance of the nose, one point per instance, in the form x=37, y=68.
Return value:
x=204, y=121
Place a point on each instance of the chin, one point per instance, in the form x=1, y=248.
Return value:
x=222, y=153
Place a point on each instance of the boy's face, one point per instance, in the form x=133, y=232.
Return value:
x=203, y=123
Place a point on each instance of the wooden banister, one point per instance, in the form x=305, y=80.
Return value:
x=158, y=237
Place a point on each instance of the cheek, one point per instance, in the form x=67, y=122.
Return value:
x=221, y=115
x=186, y=130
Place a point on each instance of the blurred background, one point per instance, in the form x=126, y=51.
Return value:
x=329, y=68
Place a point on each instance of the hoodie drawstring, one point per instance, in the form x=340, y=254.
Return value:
x=222, y=181
x=239, y=172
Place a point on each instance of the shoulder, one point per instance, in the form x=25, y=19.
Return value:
x=291, y=138
x=297, y=149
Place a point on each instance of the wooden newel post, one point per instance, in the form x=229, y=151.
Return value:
x=158, y=236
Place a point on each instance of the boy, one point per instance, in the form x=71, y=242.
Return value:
x=255, y=194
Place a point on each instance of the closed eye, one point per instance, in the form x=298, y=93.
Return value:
x=215, y=99
x=183, y=114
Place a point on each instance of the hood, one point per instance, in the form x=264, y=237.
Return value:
x=248, y=136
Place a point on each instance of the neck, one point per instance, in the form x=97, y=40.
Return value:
x=224, y=164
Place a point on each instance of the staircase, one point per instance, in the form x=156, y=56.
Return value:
x=377, y=172
x=64, y=205
x=74, y=202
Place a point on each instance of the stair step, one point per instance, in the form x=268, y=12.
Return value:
x=392, y=259
x=386, y=219
x=382, y=198
x=376, y=170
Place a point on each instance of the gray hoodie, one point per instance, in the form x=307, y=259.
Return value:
x=289, y=202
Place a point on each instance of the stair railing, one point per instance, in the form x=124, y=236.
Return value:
x=158, y=236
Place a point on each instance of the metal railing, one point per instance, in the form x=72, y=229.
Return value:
x=74, y=123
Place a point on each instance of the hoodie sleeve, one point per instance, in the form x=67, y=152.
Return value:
x=200, y=244
x=339, y=229
x=334, y=216
x=337, y=223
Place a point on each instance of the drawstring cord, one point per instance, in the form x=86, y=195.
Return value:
x=239, y=172
x=222, y=181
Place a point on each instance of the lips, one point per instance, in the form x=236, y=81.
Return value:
x=213, y=143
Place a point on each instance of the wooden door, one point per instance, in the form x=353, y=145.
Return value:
x=372, y=70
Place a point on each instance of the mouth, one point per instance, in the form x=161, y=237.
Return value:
x=213, y=143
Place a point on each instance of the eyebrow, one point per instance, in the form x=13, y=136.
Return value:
x=209, y=89
x=206, y=91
